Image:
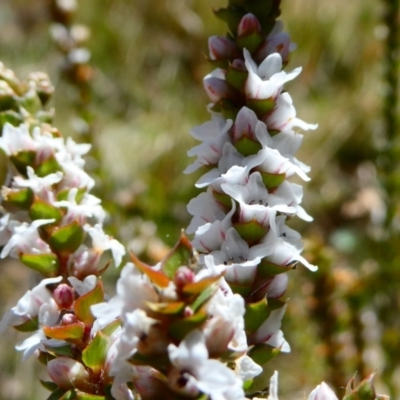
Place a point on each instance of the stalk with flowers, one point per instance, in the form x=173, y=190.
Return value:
x=203, y=322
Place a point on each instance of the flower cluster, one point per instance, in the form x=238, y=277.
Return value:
x=248, y=153
x=53, y=225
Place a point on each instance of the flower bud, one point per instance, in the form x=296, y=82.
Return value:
x=183, y=276
x=64, y=295
x=322, y=392
x=221, y=47
x=68, y=319
x=248, y=25
x=68, y=373
x=217, y=88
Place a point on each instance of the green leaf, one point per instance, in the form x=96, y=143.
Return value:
x=23, y=159
x=236, y=78
x=57, y=394
x=49, y=385
x=110, y=328
x=267, y=269
x=86, y=396
x=256, y=314
x=42, y=210
x=66, y=332
x=179, y=329
x=83, y=303
x=250, y=231
x=94, y=355
x=272, y=181
x=46, y=264
x=243, y=290
x=180, y=255
x=250, y=42
x=67, y=239
x=262, y=353
x=174, y=308
x=261, y=106
x=247, y=146
x=11, y=117
x=17, y=199
x=50, y=166
x=203, y=298
x=156, y=277
x=63, y=351
x=28, y=326
x=223, y=199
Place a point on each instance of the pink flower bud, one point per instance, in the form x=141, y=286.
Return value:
x=64, y=295
x=279, y=43
x=239, y=65
x=249, y=24
x=221, y=48
x=183, y=276
x=217, y=88
x=69, y=319
x=322, y=392
x=68, y=373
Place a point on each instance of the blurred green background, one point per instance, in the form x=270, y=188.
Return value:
x=148, y=61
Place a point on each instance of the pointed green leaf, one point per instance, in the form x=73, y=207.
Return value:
x=261, y=106
x=67, y=239
x=250, y=42
x=42, y=210
x=83, y=303
x=262, y=353
x=200, y=286
x=203, y=298
x=86, y=396
x=247, y=146
x=63, y=351
x=256, y=314
x=223, y=199
x=17, y=199
x=22, y=160
x=272, y=181
x=157, y=277
x=46, y=264
x=57, y=394
x=251, y=231
x=180, y=255
x=50, y=166
x=174, y=308
x=267, y=269
x=67, y=332
x=236, y=78
x=49, y=385
x=179, y=329
x=94, y=355
x=11, y=117
x=110, y=328
x=243, y=290
x=28, y=326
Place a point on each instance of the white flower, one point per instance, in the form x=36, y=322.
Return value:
x=266, y=81
x=200, y=373
x=322, y=392
x=214, y=135
x=26, y=239
x=103, y=242
x=269, y=332
x=16, y=139
x=40, y=186
x=29, y=305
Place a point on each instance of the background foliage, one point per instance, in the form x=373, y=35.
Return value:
x=146, y=93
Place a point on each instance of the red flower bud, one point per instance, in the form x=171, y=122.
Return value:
x=64, y=295
x=248, y=25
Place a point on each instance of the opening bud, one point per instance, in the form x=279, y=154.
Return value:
x=64, y=295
